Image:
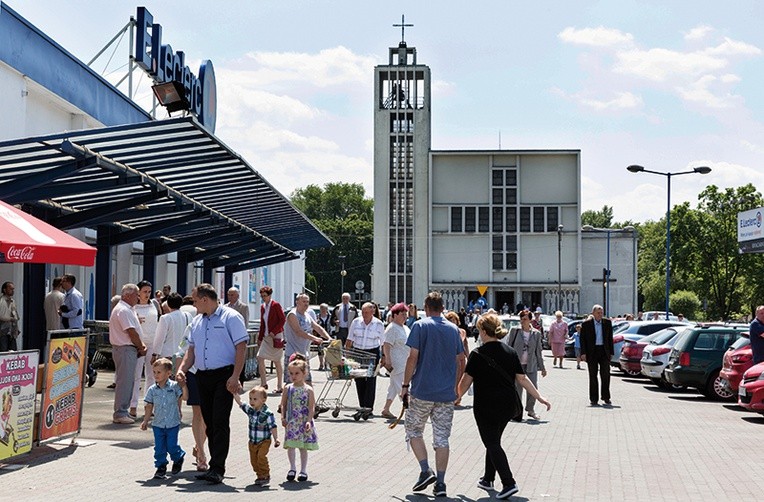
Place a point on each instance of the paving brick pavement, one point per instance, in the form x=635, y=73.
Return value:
x=651, y=445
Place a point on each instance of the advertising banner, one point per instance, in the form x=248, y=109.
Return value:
x=750, y=231
x=61, y=408
x=18, y=390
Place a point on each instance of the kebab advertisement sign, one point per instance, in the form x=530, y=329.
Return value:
x=62, y=396
x=18, y=389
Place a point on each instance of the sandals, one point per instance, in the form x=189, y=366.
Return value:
x=534, y=416
x=387, y=414
x=291, y=474
x=278, y=391
x=302, y=477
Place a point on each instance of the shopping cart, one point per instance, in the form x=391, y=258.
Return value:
x=342, y=366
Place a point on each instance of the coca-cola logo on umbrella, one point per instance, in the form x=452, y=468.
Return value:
x=25, y=253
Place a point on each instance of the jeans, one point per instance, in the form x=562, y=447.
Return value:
x=216, y=405
x=166, y=441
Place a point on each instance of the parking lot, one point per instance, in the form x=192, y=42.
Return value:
x=652, y=444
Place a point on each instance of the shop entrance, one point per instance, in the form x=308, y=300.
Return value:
x=502, y=297
x=532, y=299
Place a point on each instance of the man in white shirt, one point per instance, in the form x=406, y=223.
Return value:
x=126, y=347
x=367, y=334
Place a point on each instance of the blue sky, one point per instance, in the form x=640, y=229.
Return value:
x=668, y=85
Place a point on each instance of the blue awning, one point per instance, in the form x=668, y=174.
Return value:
x=169, y=180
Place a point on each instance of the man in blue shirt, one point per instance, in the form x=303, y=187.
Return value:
x=756, y=334
x=433, y=369
x=597, y=350
x=217, y=347
x=71, y=310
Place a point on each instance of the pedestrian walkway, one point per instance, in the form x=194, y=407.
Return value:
x=651, y=445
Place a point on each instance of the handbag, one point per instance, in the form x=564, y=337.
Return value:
x=278, y=343
x=514, y=399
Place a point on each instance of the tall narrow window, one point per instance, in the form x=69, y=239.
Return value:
x=469, y=219
x=456, y=219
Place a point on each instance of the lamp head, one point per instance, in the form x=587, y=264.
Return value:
x=635, y=169
x=702, y=169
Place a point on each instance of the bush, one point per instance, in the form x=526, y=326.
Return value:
x=685, y=302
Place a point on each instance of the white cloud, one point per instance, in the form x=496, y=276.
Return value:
x=661, y=64
x=621, y=101
x=700, y=92
x=596, y=37
x=698, y=33
x=733, y=48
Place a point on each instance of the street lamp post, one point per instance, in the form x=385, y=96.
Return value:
x=343, y=273
x=606, y=274
x=559, y=266
x=640, y=169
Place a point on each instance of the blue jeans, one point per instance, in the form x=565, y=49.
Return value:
x=166, y=441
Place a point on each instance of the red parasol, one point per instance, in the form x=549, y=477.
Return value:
x=26, y=239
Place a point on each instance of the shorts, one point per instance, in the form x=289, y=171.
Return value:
x=193, y=390
x=440, y=414
x=578, y=351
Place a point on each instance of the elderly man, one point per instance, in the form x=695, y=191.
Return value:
x=298, y=331
x=217, y=346
x=434, y=366
x=235, y=303
x=597, y=350
x=9, y=318
x=126, y=347
x=367, y=334
x=344, y=313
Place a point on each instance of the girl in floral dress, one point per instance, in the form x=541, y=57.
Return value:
x=298, y=404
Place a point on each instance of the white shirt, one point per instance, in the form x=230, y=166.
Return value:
x=396, y=336
x=366, y=336
x=122, y=317
x=170, y=332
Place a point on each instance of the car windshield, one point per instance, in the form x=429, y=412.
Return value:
x=621, y=328
x=661, y=337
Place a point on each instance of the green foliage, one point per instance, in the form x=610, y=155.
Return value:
x=704, y=255
x=346, y=216
x=598, y=219
x=685, y=302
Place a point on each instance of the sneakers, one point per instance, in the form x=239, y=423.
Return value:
x=425, y=480
x=485, y=485
x=161, y=472
x=177, y=466
x=507, y=492
x=439, y=490
x=123, y=420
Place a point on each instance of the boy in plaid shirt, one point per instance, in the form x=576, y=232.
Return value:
x=262, y=426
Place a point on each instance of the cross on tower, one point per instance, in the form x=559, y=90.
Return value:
x=402, y=26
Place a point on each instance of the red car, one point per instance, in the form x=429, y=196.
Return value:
x=751, y=390
x=736, y=361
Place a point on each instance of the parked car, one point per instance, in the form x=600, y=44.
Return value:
x=751, y=390
x=633, y=347
x=509, y=321
x=735, y=362
x=650, y=315
x=696, y=359
x=570, y=348
x=655, y=356
x=640, y=328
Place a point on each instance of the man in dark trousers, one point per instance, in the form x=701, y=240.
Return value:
x=597, y=350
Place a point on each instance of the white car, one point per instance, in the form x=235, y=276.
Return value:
x=655, y=356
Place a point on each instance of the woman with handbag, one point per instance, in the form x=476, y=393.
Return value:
x=526, y=340
x=495, y=368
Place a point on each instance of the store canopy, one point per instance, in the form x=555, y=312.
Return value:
x=169, y=182
x=26, y=239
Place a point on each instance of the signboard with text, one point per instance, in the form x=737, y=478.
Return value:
x=750, y=231
x=61, y=408
x=18, y=390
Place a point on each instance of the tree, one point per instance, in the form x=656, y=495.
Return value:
x=685, y=302
x=598, y=219
x=346, y=216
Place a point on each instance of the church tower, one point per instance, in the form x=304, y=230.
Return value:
x=402, y=131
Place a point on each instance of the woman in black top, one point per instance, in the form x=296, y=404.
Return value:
x=494, y=368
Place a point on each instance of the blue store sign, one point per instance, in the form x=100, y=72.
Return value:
x=165, y=65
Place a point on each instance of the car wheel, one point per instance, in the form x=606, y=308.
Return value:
x=718, y=389
x=632, y=373
x=658, y=382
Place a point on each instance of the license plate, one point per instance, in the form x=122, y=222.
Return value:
x=741, y=391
